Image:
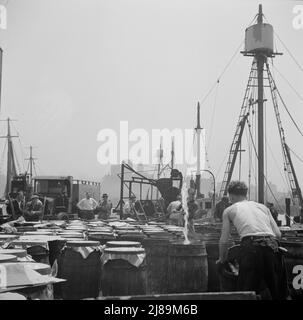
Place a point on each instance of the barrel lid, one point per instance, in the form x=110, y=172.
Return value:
x=101, y=233
x=70, y=232
x=34, y=242
x=129, y=232
x=8, y=236
x=71, y=235
x=182, y=244
x=7, y=258
x=12, y=296
x=20, y=253
x=124, y=250
x=130, y=227
x=82, y=243
x=42, y=233
x=43, y=269
x=123, y=244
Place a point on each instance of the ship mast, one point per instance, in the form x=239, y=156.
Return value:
x=261, y=59
x=11, y=164
x=198, y=130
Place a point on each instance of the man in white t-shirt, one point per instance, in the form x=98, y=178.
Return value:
x=261, y=264
x=87, y=207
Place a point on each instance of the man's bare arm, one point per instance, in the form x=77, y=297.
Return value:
x=223, y=245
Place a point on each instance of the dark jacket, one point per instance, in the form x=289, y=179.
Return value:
x=18, y=209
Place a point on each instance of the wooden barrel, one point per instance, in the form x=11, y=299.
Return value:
x=72, y=235
x=293, y=258
x=157, y=265
x=102, y=237
x=212, y=248
x=187, y=268
x=123, y=272
x=55, y=248
x=35, y=248
x=119, y=244
x=131, y=235
x=83, y=273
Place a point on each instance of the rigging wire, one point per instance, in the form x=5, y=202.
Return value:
x=212, y=118
x=222, y=73
x=16, y=158
x=296, y=155
x=288, y=112
x=220, y=167
x=21, y=146
x=265, y=178
x=3, y=154
x=292, y=56
x=288, y=82
x=286, y=48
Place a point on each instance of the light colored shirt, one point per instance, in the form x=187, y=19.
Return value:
x=87, y=204
x=250, y=219
x=174, y=206
x=129, y=208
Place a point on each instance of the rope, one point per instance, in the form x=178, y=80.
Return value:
x=288, y=112
x=289, y=84
x=285, y=47
x=254, y=146
x=292, y=56
x=21, y=146
x=3, y=154
x=296, y=155
x=212, y=117
x=222, y=73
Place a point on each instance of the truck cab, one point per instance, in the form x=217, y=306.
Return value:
x=57, y=190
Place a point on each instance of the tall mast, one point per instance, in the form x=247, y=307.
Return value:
x=11, y=165
x=259, y=43
x=260, y=65
x=31, y=160
x=172, y=153
x=198, y=130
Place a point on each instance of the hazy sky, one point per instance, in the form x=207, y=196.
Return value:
x=74, y=67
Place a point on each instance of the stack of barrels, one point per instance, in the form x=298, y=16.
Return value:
x=115, y=258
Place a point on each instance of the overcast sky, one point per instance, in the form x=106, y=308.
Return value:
x=74, y=67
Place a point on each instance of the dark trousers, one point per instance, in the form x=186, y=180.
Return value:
x=261, y=269
x=87, y=215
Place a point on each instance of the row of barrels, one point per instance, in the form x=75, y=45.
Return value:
x=132, y=268
x=169, y=267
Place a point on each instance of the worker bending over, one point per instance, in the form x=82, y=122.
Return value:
x=261, y=264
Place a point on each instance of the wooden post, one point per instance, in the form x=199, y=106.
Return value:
x=287, y=205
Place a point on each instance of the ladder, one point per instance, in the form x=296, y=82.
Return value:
x=244, y=112
x=288, y=166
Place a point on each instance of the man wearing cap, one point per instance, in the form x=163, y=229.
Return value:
x=220, y=207
x=87, y=207
x=34, y=209
x=15, y=207
x=129, y=210
x=261, y=264
x=104, y=208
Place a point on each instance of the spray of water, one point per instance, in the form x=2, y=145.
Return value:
x=186, y=215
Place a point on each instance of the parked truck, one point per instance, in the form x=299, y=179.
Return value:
x=61, y=194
